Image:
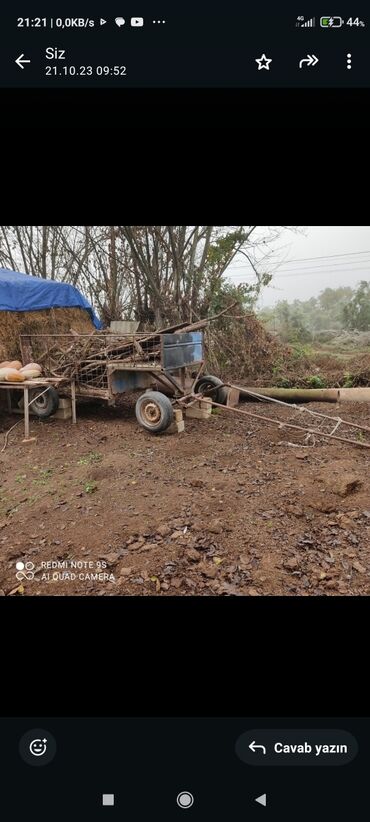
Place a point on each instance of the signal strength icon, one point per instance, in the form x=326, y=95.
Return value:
x=305, y=24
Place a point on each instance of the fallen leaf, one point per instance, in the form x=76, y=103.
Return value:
x=18, y=590
x=292, y=563
x=125, y=572
x=358, y=567
x=217, y=560
x=192, y=554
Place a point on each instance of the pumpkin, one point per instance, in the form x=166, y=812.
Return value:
x=30, y=374
x=16, y=364
x=5, y=371
x=12, y=375
x=4, y=364
x=31, y=366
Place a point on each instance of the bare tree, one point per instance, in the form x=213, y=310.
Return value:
x=158, y=273
x=174, y=267
x=90, y=257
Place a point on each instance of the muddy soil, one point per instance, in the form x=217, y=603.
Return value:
x=226, y=508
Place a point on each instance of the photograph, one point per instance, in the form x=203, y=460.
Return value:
x=184, y=411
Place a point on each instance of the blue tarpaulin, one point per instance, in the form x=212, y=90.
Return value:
x=21, y=292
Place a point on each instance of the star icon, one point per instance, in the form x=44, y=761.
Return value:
x=264, y=62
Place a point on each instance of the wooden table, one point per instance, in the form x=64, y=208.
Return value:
x=43, y=384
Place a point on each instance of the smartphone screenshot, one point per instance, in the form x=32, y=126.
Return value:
x=184, y=411
x=185, y=768
x=164, y=45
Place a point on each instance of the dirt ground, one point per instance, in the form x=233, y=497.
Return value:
x=225, y=508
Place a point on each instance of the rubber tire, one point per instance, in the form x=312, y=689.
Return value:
x=166, y=411
x=47, y=404
x=218, y=396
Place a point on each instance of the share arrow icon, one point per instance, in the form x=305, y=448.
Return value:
x=310, y=60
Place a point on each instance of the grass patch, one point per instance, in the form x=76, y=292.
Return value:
x=90, y=487
x=45, y=476
x=316, y=382
x=348, y=381
x=90, y=459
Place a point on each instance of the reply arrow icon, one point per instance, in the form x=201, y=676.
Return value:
x=20, y=60
x=311, y=60
x=254, y=747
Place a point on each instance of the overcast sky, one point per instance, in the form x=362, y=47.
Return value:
x=297, y=277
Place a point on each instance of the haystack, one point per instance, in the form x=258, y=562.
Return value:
x=32, y=305
x=51, y=321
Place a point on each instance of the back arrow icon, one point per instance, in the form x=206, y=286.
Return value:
x=20, y=60
x=254, y=747
x=311, y=60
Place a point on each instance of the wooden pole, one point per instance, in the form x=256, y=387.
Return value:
x=73, y=400
x=26, y=414
x=291, y=394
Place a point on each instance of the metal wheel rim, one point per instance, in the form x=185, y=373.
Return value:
x=151, y=412
x=41, y=402
x=207, y=387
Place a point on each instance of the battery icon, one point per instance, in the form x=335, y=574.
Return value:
x=331, y=22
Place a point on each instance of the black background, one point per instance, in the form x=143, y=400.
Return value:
x=244, y=113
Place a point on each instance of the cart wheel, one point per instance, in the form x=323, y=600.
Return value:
x=154, y=411
x=204, y=386
x=47, y=404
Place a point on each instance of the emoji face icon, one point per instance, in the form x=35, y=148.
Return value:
x=38, y=747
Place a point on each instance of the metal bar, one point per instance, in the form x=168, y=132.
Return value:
x=300, y=409
x=158, y=378
x=290, y=425
x=173, y=381
x=73, y=400
x=197, y=375
x=93, y=335
x=39, y=395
